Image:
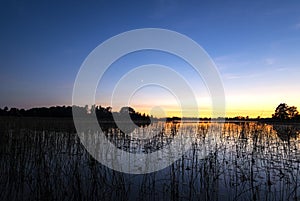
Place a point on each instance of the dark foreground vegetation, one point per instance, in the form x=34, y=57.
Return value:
x=43, y=159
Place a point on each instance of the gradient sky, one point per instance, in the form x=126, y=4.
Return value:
x=255, y=45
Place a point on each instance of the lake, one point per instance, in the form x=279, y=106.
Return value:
x=43, y=159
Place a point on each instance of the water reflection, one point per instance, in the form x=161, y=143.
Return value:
x=249, y=161
x=142, y=139
x=287, y=132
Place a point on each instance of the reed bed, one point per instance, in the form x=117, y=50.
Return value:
x=43, y=159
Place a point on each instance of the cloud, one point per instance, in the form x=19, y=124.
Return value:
x=297, y=26
x=230, y=62
x=281, y=69
x=269, y=61
x=232, y=76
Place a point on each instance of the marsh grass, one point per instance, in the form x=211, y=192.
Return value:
x=43, y=159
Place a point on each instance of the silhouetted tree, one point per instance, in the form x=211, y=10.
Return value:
x=93, y=109
x=129, y=110
x=281, y=112
x=14, y=112
x=292, y=112
x=284, y=112
x=136, y=117
x=108, y=109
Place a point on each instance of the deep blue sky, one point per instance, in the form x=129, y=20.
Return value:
x=256, y=46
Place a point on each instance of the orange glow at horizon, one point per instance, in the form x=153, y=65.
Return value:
x=162, y=104
x=263, y=110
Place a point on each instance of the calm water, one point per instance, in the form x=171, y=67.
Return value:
x=44, y=159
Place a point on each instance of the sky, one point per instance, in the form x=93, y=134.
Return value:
x=255, y=46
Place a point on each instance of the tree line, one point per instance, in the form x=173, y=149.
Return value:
x=282, y=113
x=102, y=113
x=55, y=111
